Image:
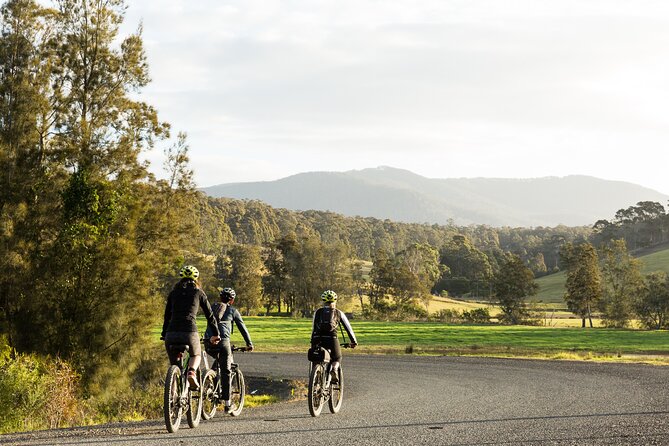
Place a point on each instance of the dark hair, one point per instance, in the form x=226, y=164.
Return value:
x=186, y=281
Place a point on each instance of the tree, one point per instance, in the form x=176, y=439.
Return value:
x=95, y=276
x=584, y=283
x=653, y=305
x=513, y=283
x=241, y=268
x=623, y=283
x=418, y=270
x=466, y=267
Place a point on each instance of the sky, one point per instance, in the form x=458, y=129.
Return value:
x=445, y=88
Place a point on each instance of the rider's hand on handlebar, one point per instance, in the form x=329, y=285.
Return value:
x=214, y=340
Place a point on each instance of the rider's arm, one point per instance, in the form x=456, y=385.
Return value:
x=242, y=327
x=211, y=320
x=313, y=324
x=347, y=327
x=167, y=316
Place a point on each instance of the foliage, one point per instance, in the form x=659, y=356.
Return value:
x=623, y=284
x=653, y=304
x=37, y=394
x=584, y=284
x=513, y=283
x=241, y=268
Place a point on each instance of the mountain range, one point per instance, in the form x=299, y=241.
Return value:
x=401, y=195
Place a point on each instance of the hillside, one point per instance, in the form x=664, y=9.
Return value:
x=551, y=287
x=400, y=195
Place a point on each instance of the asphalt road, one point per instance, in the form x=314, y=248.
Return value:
x=406, y=400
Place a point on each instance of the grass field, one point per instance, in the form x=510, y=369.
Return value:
x=551, y=287
x=287, y=334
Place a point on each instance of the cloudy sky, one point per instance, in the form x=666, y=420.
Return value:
x=444, y=88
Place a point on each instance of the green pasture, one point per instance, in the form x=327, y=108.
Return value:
x=551, y=287
x=287, y=334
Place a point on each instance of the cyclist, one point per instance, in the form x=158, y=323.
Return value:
x=179, y=325
x=226, y=314
x=324, y=329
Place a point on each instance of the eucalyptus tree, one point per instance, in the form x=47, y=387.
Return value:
x=622, y=284
x=513, y=283
x=653, y=305
x=584, y=282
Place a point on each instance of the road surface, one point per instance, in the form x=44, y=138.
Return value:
x=407, y=400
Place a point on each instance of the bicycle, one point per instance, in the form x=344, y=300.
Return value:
x=321, y=387
x=179, y=396
x=212, y=389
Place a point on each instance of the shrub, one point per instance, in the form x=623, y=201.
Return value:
x=477, y=316
x=37, y=393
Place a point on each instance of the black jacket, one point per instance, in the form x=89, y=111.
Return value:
x=182, y=306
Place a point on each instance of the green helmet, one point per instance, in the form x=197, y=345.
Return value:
x=329, y=296
x=189, y=272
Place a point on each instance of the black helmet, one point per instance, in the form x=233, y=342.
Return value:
x=227, y=294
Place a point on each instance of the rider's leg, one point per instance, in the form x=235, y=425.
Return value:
x=335, y=357
x=226, y=369
x=194, y=361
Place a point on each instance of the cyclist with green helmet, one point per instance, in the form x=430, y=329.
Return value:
x=324, y=329
x=179, y=325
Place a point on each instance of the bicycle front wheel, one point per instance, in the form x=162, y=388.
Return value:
x=172, y=399
x=237, y=393
x=316, y=397
x=337, y=392
x=194, y=411
x=209, y=400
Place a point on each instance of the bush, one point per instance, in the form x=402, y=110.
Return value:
x=477, y=316
x=448, y=316
x=37, y=393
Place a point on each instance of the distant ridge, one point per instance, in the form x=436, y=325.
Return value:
x=401, y=195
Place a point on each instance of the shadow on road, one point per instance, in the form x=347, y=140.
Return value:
x=436, y=425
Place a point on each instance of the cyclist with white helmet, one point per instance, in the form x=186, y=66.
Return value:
x=179, y=325
x=226, y=314
x=324, y=329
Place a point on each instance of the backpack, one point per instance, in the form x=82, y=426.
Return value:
x=327, y=322
x=219, y=310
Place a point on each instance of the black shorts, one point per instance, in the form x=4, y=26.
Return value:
x=331, y=343
x=191, y=339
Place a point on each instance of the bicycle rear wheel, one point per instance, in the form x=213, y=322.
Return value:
x=237, y=393
x=316, y=396
x=209, y=400
x=172, y=399
x=194, y=411
x=337, y=392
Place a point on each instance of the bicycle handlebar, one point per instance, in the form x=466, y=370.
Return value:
x=240, y=349
x=233, y=348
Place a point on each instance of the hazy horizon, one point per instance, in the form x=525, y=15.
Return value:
x=446, y=89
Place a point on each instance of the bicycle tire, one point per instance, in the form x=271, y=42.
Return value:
x=337, y=392
x=209, y=400
x=237, y=393
x=172, y=409
x=194, y=410
x=315, y=396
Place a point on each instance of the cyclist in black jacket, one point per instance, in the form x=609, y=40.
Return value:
x=324, y=329
x=226, y=314
x=179, y=325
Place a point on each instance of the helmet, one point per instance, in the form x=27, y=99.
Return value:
x=329, y=296
x=189, y=272
x=227, y=294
